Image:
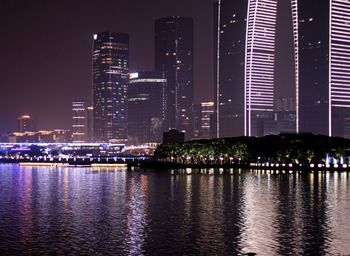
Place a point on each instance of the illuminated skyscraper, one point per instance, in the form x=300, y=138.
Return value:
x=245, y=53
x=260, y=66
x=79, y=121
x=110, y=77
x=323, y=65
x=174, y=57
x=26, y=124
x=146, y=106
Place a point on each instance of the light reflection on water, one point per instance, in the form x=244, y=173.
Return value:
x=210, y=212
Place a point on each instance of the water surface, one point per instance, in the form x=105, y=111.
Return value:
x=60, y=211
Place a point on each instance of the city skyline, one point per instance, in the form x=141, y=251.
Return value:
x=186, y=127
x=50, y=39
x=250, y=49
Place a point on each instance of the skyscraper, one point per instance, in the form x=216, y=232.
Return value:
x=230, y=33
x=174, y=57
x=110, y=77
x=323, y=65
x=260, y=67
x=79, y=121
x=245, y=54
x=146, y=105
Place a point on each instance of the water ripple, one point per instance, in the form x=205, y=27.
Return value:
x=67, y=211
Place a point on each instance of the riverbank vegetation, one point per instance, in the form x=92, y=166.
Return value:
x=283, y=148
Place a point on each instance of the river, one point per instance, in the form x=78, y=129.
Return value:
x=106, y=211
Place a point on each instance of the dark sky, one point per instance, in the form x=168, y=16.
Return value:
x=46, y=47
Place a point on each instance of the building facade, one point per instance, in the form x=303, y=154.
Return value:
x=147, y=107
x=245, y=54
x=174, y=57
x=229, y=42
x=110, y=78
x=322, y=60
x=90, y=124
x=245, y=43
x=79, y=122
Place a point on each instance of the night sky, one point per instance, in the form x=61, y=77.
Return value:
x=46, y=49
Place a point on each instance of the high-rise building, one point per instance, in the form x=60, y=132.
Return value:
x=110, y=78
x=207, y=111
x=147, y=107
x=245, y=53
x=230, y=33
x=79, y=121
x=174, y=57
x=323, y=67
x=26, y=124
x=90, y=124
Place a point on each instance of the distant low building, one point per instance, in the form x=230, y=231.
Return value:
x=197, y=120
x=207, y=111
x=3, y=138
x=90, y=126
x=56, y=136
x=173, y=136
x=203, y=113
x=25, y=123
x=79, y=121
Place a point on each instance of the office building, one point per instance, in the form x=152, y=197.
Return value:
x=174, y=57
x=245, y=54
x=25, y=123
x=110, y=78
x=323, y=67
x=147, y=107
x=79, y=122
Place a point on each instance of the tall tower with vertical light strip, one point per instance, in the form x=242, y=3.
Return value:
x=259, y=66
x=323, y=66
x=245, y=49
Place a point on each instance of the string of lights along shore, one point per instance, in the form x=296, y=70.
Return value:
x=138, y=107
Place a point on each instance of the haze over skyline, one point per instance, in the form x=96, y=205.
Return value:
x=46, y=60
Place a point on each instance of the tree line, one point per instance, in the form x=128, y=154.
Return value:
x=283, y=148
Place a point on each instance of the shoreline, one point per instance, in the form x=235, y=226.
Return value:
x=259, y=166
x=162, y=165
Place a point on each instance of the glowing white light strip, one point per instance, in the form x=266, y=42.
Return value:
x=296, y=54
x=218, y=73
